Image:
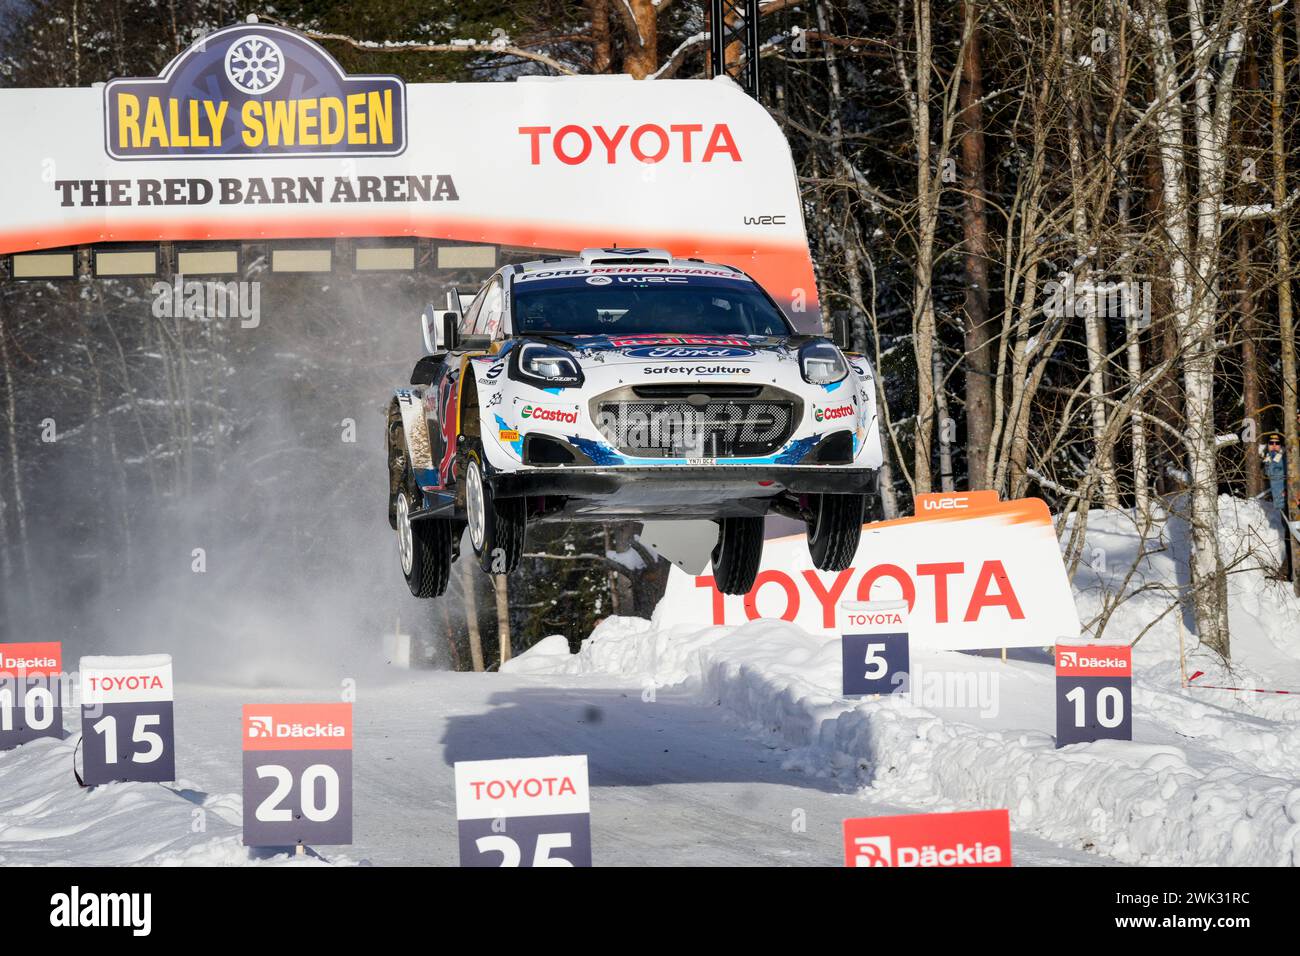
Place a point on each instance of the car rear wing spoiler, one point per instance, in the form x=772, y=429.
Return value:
x=441, y=327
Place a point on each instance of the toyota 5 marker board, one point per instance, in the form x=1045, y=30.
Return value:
x=874, y=647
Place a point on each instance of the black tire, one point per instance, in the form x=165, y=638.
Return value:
x=834, y=529
x=429, y=569
x=504, y=521
x=737, y=554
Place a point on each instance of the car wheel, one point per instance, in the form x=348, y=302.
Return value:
x=423, y=547
x=496, y=525
x=737, y=554
x=834, y=528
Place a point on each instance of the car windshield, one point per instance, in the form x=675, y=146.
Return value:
x=644, y=303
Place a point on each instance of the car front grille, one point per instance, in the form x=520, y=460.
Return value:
x=701, y=425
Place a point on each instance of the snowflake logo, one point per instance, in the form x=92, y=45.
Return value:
x=254, y=64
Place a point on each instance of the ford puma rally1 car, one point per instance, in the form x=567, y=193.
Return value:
x=626, y=384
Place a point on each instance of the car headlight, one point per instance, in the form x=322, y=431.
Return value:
x=545, y=366
x=822, y=364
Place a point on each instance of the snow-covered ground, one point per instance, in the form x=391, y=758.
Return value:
x=1211, y=777
x=734, y=746
x=672, y=781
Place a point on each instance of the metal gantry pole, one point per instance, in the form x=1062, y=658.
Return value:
x=733, y=42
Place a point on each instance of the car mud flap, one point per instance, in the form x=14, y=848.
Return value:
x=416, y=428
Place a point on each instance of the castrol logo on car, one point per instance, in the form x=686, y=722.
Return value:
x=540, y=413
x=833, y=413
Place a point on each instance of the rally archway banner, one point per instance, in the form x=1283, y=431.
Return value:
x=255, y=132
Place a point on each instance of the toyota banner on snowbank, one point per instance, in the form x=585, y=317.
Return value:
x=978, y=573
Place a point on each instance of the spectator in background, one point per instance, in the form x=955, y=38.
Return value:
x=1275, y=471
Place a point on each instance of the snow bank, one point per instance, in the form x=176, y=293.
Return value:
x=1211, y=777
x=1142, y=578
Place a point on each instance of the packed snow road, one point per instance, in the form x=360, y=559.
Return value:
x=673, y=780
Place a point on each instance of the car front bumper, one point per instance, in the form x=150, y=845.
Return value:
x=718, y=481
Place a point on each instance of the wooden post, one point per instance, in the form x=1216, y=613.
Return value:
x=1182, y=655
x=503, y=615
x=471, y=612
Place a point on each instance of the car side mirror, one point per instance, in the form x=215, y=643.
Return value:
x=450, y=329
x=441, y=330
x=841, y=333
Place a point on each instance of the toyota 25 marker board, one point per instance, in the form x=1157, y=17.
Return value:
x=528, y=811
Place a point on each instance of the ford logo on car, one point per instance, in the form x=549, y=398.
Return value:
x=688, y=352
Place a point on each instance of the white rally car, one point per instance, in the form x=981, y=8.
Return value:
x=626, y=384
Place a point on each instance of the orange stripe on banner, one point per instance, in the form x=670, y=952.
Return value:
x=1021, y=511
x=782, y=267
